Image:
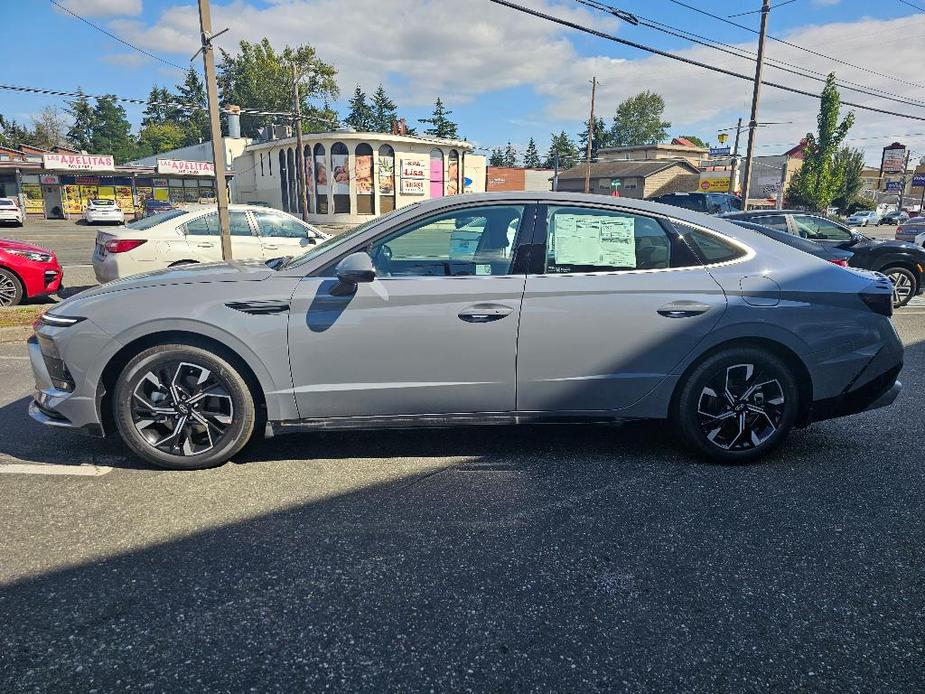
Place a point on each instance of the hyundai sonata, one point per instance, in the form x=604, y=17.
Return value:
x=477, y=309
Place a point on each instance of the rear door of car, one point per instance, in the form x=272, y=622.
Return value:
x=203, y=238
x=281, y=234
x=615, y=303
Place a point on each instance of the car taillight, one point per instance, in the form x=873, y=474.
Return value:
x=841, y=262
x=123, y=245
x=878, y=302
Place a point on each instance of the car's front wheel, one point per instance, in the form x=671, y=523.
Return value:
x=905, y=285
x=11, y=289
x=738, y=404
x=182, y=407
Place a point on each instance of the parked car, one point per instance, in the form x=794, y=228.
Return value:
x=10, y=212
x=153, y=207
x=903, y=263
x=827, y=253
x=103, y=210
x=912, y=231
x=26, y=272
x=708, y=203
x=894, y=217
x=595, y=309
x=863, y=218
x=191, y=235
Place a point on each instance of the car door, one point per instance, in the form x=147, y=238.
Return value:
x=282, y=234
x=821, y=230
x=434, y=334
x=203, y=238
x=616, y=303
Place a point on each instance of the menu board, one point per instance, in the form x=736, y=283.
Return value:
x=34, y=202
x=596, y=240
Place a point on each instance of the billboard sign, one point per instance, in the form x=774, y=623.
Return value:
x=178, y=167
x=715, y=185
x=894, y=186
x=918, y=181
x=894, y=159
x=413, y=186
x=416, y=168
x=78, y=162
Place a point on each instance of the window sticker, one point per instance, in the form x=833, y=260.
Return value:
x=463, y=244
x=481, y=269
x=595, y=240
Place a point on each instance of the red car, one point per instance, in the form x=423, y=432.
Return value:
x=27, y=271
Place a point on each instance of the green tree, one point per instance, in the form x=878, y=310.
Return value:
x=532, y=156
x=159, y=137
x=638, y=121
x=818, y=181
x=696, y=140
x=510, y=155
x=384, y=112
x=260, y=77
x=157, y=110
x=362, y=116
x=111, y=131
x=81, y=131
x=563, y=147
x=440, y=124
x=191, y=112
x=49, y=129
x=848, y=163
x=12, y=134
x=496, y=158
x=601, y=138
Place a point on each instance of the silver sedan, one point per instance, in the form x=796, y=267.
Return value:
x=477, y=309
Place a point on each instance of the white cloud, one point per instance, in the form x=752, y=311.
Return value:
x=103, y=8
x=127, y=60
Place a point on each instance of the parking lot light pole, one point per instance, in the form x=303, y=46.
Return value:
x=756, y=96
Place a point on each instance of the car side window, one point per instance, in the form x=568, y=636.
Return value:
x=279, y=225
x=581, y=239
x=818, y=228
x=470, y=241
x=775, y=221
x=712, y=249
x=207, y=225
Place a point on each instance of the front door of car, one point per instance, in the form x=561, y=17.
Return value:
x=615, y=305
x=204, y=238
x=282, y=234
x=434, y=333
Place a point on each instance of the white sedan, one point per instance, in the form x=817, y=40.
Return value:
x=103, y=210
x=191, y=235
x=10, y=212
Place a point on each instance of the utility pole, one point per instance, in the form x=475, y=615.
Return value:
x=902, y=190
x=300, y=153
x=590, y=136
x=756, y=95
x=735, y=160
x=218, y=147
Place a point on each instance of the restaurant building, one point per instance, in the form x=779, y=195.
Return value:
x=352, y=176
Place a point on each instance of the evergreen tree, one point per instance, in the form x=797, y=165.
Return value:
x=532, y=156
x=159, y=137
x=194, y=122
x=817, y=182
x=156, y=112
x=510, y=155
x=81, y=131
x=111, y=133
x=362, y=116
x=601, y=138
x=12, y=134
x=563, y=146
x=638, y=121
x=440, y=124
x=384, y=112
x=496, y=158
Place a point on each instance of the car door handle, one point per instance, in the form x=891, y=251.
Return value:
x=206, y=245
x=485, y=313
x=683, y=309
x=270, y=247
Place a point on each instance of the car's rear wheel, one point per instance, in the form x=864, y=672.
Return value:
x=905, y=285
x=11, y=289
x=738, y=404
x=182, y=407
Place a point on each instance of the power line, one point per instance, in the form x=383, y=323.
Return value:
x=689, y=61
x=117, y=38
x=920, y=9
x=797, y=46
x=742, y=14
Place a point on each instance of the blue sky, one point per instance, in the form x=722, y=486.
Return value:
x=506, y=76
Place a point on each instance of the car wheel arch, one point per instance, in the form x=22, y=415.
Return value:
x=22, y=282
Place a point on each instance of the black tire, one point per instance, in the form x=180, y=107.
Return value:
x=905, y=284
x=205, y=422
x=11, y=289
x=761, y=411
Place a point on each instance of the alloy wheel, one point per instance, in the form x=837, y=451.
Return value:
x=740, y=407
x=8, y=290
x=902, y=288
x=182, y=408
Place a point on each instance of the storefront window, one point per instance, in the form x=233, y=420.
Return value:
x=386, y=179
x=363, y=173
x=436, y=173
x=321, y=180
x=283, y=180
x=452, y=174
x=340, y=177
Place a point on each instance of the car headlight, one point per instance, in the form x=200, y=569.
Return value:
x=29, y=255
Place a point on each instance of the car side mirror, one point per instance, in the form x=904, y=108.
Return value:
x=355, y=268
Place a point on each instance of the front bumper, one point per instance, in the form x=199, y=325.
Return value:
x=41, y=278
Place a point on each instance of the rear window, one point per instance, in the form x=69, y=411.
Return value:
x=148, y=222
x=688, y=202
x=7, y=203
x=712, y=249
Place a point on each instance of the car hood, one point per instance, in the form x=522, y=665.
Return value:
x=236, y=271
x=20, y=246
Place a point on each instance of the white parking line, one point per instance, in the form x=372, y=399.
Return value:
x=53, y=469
x=14, y=358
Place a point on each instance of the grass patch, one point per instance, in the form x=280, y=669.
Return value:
x=20, y=315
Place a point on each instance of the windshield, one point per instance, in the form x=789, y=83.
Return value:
x=148, y=222
x=315, y=251
x=7, y=203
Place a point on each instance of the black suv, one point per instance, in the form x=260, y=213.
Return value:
x=708, y=203
x=903, y=263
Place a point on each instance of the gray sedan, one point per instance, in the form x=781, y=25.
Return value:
x=477, y=309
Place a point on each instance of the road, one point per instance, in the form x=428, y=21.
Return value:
x=562, y=558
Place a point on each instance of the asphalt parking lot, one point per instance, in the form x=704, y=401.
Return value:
x=562, y=558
